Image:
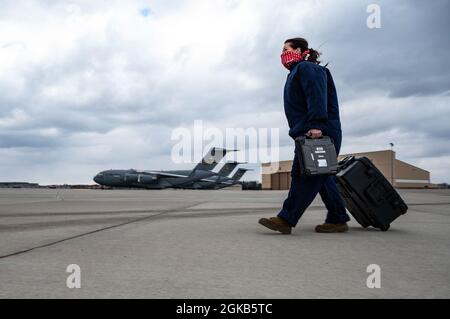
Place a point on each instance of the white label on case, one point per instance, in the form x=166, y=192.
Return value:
x=322, y=162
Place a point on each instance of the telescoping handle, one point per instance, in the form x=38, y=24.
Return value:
x=346, y=161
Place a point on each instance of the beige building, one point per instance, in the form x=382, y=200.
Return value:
x=277, y=176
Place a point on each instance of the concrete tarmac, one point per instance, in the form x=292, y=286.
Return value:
x=208, y=244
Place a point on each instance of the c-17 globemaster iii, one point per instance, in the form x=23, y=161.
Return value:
x=163, y=179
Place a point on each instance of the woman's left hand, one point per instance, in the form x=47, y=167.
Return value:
x=313, y=133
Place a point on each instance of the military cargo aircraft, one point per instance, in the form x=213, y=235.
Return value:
x=163, y=179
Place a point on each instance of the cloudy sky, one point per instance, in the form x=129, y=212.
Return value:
x=91, y=85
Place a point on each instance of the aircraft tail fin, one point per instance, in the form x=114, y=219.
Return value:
x=239, y=173
x=211, y=159
x=227, y=168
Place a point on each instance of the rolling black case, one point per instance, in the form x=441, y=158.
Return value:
x=316, y=156
x=368, y=195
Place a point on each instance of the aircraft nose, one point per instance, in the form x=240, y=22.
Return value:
x=97, y=178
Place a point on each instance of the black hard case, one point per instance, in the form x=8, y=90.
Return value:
x=368, y=195
x=316, y=156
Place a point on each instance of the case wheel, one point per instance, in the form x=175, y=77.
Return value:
x=385, y=228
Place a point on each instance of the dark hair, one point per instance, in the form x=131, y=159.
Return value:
x=302, y=43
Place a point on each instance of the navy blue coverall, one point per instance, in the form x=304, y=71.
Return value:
x=310, y=102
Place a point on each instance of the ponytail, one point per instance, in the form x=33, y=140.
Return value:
x=313, y=56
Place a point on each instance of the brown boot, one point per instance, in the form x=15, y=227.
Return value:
x=276, y=224
x=332, y=228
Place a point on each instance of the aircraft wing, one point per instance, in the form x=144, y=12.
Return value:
x=164, y=174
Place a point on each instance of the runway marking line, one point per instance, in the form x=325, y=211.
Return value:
x=97, y=230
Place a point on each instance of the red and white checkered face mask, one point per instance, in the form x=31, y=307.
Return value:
x=290, y=57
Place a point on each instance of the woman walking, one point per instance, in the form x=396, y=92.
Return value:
x=311, y=107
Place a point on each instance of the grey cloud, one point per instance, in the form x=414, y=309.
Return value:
x=408, y=50
x=26, y=139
